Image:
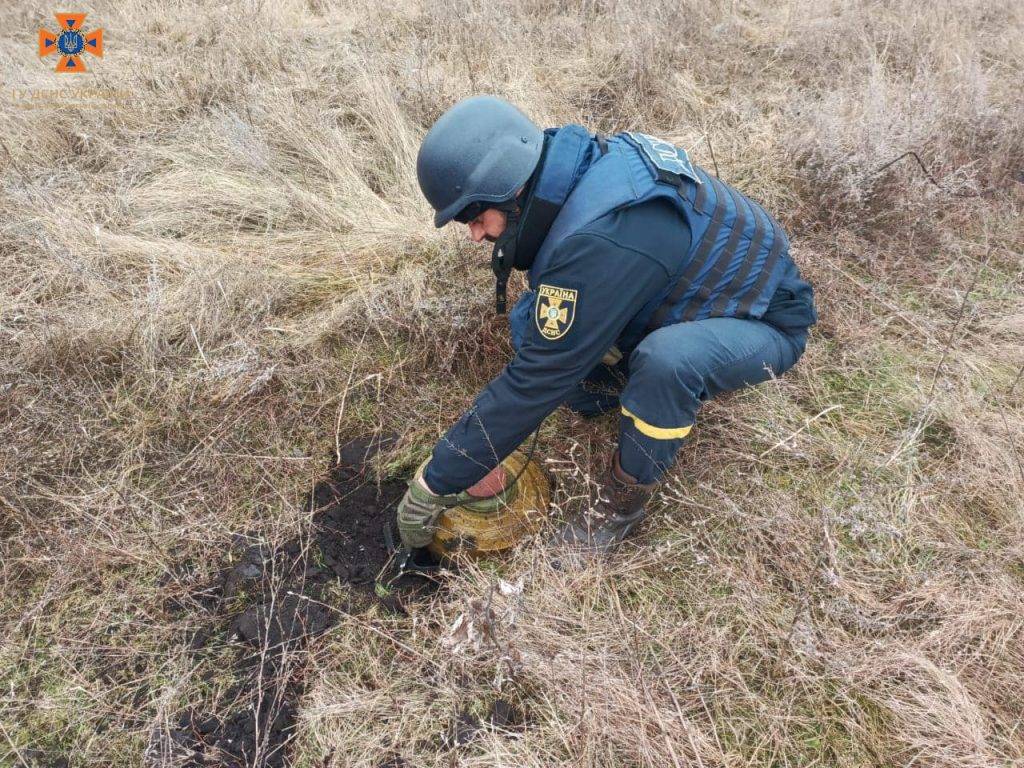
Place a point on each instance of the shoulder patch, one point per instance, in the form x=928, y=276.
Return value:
x=666, y=157
x=555, y=310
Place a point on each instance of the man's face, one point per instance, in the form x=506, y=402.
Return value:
x=487, y=226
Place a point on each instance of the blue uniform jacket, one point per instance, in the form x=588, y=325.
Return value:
x=592, y=282
x=615, y=266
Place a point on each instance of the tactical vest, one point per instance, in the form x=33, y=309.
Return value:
x=738, y=253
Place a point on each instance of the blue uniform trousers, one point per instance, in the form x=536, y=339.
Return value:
x=671, y=372
x=677, y=368
x=661, y=385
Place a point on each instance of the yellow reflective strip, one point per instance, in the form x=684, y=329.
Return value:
x=658, y=433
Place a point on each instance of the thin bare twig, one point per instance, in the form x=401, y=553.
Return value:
x=806, y=424
x=956, y=325
x=711, y=149
x=908, y=153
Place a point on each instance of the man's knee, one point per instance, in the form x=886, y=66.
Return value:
x=666, y=360
x=798, y=344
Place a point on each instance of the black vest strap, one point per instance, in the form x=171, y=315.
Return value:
x=748, y=263
x=769, y=265
x=708, y=284
x=700, y=257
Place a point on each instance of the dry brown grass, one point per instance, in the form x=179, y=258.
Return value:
x=211, y=282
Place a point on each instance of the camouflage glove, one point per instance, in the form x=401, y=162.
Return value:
x=612, y=356
x=419, y=510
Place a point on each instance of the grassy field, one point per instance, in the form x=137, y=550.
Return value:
x=218, y=267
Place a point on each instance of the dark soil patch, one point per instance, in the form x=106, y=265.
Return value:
x=270, y=602
x=349, y=526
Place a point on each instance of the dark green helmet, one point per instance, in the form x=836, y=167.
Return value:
x=482, y=150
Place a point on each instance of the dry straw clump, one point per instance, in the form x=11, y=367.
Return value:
x=222, y=267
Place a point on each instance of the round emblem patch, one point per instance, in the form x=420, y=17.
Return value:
x=70, y=43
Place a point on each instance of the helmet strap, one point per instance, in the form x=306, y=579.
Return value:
x=564, y=154
x=530, y=216
x=503, y=256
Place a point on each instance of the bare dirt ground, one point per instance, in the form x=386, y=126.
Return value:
x=271, y=601
x=218, y=270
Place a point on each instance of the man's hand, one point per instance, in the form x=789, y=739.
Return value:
x=418, y=512
x=612, y=356
x=491, y=485
x=420, y=508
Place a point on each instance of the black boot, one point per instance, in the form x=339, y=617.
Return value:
x=619, y=508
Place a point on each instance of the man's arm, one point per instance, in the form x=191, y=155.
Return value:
x=595, y=286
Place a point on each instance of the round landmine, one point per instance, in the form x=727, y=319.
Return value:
x=497, y=523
